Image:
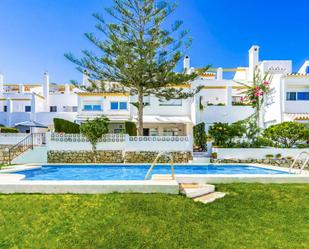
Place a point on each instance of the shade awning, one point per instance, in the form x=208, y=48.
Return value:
x=31, y=123
x=299, y=116
x=166, y=119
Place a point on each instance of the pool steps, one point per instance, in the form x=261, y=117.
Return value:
x=204, y=193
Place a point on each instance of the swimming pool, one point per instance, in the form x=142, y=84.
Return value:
x=136, y=172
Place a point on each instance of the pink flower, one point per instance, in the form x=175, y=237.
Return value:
x=256, y=94
x=241, y=99
x=266, y=83
x=261, y=93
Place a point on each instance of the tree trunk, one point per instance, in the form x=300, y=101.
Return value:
x=140, y=113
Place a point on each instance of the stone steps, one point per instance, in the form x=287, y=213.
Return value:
x=211, y=197
x=204, y=193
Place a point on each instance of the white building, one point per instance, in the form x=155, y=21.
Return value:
x=218, y=101
x=38, y=102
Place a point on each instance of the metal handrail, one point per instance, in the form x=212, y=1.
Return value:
x=33, y=139
x=155, y=161
x=296, y=159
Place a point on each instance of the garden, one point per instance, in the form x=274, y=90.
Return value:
x=250, y=216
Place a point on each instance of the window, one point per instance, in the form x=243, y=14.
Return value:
x=303, y=96
x=27, y=108
x=291, y=96
x=123, y=106
x=171, y=132
x=53, y=108
x=75, y=109
x=114, y=105
x=5, y=108
x=92, y=108
x=297, y=96
x=119, y=105
x=171, y=102
x=146, y=100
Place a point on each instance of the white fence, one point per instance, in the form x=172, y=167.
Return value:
x=255, y=153
x=11, y=138
x=77, y=142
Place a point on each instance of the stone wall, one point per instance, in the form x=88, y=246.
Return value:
x=84, y=157
x=149, y=157
x=274, y=162
x=113, y=157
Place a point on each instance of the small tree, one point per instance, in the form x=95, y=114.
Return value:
x=138, y=54
x=288, y=134
x=199, y=136
x=94, y=129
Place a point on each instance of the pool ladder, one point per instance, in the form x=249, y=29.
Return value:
x=297, y=158
x=155, y=162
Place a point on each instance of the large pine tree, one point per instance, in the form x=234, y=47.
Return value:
x=137, y=53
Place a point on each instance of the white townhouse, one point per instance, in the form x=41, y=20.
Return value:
x=38, y=102
x=218, y=101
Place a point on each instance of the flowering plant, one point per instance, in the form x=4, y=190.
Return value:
x=256, y=93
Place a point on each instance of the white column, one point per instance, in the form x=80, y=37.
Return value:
x=1, y=84
x=229, y=97
x=33, y=107
x=46, y=91
x=219, y=73
x=9, y=104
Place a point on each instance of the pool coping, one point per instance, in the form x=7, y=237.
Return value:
x=12, y=183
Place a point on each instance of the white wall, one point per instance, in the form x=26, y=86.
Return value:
x=224, y=114
x=255, y=153
x=11, y=138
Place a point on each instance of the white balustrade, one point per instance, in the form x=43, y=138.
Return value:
x=77, y=142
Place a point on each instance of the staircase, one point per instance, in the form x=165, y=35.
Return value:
x=28, y=143
x=204, y=193
x=200, y=158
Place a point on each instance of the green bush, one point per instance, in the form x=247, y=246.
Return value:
x=224, y=134
x=199, y=136
x=288, y=134
x=62, y=125
x=8, y=130
x=130, y=128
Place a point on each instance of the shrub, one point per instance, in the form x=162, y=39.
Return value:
x=269, y=156
x=288, y=134
x=225, y=135
x=214, y=155
x=199, y=136
x=278, y=156
x=8, y=130
x=94, y=129
x=130, y=128
x=62, y=125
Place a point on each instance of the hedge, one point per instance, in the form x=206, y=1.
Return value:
x=130, y=128
x=62, y=125
x=8, y=130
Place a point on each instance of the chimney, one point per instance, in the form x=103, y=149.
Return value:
x=253, y=60
x=186, y=64
x=85, y=78
x=219, y=73
x=1, y=83
x=67, y=89
x=46, y=90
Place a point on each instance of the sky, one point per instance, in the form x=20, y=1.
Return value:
x=35, y=34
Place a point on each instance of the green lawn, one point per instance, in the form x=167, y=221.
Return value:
x=250, y=216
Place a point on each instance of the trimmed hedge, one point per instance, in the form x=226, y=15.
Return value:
x=130, y=128
x=8, y=130
x=62, y=125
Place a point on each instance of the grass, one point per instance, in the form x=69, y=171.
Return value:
x=250, y=216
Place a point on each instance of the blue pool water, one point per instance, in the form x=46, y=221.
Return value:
x=134, y=172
